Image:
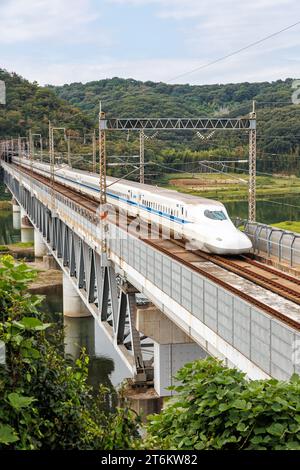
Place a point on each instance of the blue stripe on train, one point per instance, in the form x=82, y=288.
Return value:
x=128, y=201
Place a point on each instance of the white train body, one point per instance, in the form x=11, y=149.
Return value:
x=203, y=222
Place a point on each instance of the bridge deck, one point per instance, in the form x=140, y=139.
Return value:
x=218, y=318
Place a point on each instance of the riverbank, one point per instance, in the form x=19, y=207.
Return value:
x=19, y=250
x=292, y=226
x=5, y=205
x=232, y=186
x=47, y=282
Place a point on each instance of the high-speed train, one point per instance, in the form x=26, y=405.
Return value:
x=203, y=222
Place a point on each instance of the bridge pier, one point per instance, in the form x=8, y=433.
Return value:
x=27, y=230
x=79, y=333
x=40, y=248
x=16, y=214
x=73, y=306
x=172, y=347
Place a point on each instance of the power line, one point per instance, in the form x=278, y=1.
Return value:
x=255, y=43
x=279, y=203
x=215, y=61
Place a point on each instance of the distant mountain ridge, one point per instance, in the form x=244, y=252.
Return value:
x=29, y=105
x=278, y=118
x=76, y=106
x=135, y=98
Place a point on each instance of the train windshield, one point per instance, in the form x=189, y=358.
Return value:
x=215, y=215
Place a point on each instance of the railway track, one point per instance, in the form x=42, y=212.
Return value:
x=265, y=276
x=194, y=259
x=274, y=280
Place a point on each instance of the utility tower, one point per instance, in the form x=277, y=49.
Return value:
x=142, y=157
x=102, y=183
x=94, y=151
x=252, y=167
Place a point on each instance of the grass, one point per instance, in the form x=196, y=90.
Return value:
x=22, y=244
x=5, y=205
x=3, y=248
x=215, y=186
x=7, y=248
x=292, y=226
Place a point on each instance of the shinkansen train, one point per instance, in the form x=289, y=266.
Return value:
x=203, y=222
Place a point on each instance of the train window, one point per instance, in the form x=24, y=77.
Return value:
x=215, y=215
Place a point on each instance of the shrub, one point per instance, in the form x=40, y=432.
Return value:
x=218, y=408
x=45, y=402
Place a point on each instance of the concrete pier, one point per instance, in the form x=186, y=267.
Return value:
x=16, y=215
x=78, y=334
x=40, y=248
x=144, y=400
x=15, y=206
x=73, y=306
x=27, y=230
x=172, y=347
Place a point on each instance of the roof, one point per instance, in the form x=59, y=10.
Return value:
x=168, y=193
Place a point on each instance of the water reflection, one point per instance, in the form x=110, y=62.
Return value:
x=7, y=233
x=79, y=333
x=268, y=211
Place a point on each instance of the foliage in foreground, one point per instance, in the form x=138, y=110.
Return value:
x=218, y=408
x=45, y=402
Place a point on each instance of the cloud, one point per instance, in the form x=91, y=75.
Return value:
x=234, y=70
x=204, y=30
x=211, y=29
x=32, y=20
x=220, y=25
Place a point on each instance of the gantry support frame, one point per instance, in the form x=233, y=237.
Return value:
x=194, y=124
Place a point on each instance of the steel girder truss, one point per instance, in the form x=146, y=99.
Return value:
x=111, y=298
x=176, y=123
x=193, y=124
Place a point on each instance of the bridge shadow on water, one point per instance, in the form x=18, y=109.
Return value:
x=105, y=367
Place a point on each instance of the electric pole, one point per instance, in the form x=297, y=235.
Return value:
x=69, y=151
x=102, y=183
x=252, y=167
x=142, y=157
x=94, y=151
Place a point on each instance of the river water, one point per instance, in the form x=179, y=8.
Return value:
x=268, y=211
x=105, y=365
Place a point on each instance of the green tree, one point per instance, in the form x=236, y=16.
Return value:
x=45, y=402
x=218, y=408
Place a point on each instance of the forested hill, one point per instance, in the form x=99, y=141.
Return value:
x=31, y=106
x=129, y=97
x=278, y=118
x=76, y=106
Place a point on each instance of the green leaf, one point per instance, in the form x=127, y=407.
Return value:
x=31, y=323
x=241, y=427
x=18, y=401
x=276, y=429
x=7, y=434
x=240, y=404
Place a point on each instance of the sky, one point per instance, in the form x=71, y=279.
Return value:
x=64, y=41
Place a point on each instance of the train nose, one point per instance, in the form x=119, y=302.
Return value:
x=236, y=243
x=230, y=244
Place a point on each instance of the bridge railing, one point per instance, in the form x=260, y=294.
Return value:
x=272, y=241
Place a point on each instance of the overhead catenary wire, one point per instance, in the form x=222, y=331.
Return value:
x=213, y=62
